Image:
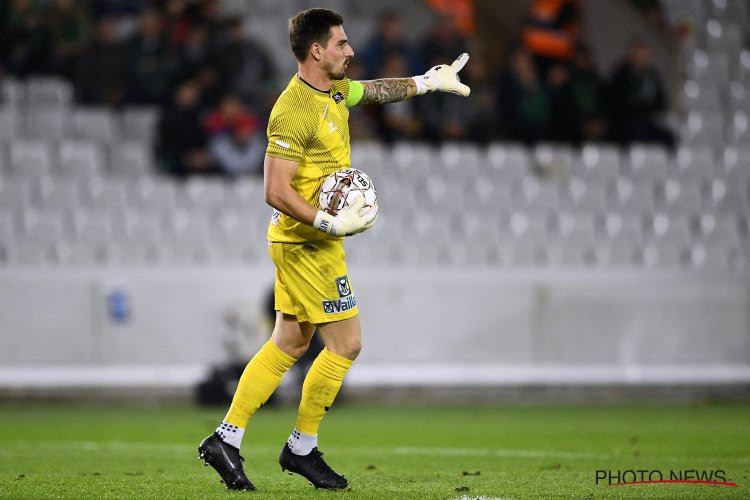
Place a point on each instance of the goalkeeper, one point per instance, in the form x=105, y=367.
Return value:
x=308, y=139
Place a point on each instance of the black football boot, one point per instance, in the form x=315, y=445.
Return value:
x=226, y=460
x=312, y=467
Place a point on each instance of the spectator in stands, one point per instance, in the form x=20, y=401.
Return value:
x=182, y=141
x=442, y=42
x=178, y=21
x=361, y=118
x=245, y=64
x=637, y=97
x=100, y=69
x=23, y=42
x=589, y=94
x=68, y=28
x=524, y=100
x=230, y=112
x=152, y=62
x=551, y=32
x=389, y=38
x=397, y=121
x=241, y=150
x=196, y=53
x=565, y=121
x=448, y=118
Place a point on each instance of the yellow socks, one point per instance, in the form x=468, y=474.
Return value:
x=322, y=383
x=260, y=378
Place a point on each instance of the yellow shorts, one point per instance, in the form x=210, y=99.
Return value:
x=312, y=281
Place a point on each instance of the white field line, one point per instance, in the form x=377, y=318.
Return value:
x=399, y=450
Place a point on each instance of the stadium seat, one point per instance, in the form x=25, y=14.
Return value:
x=739, y=96
x=42, y=227
x=12, y=92
x=27, y=254
x=412, y=160
x=598, y=161
x=30, y=158
x=145, y=227
x=80, y=158
x=245, y=192
x=670, y=230
x=537, y=195
x=723, y=36
x=726, y=198
x=130, y=158
x=721, y=229
x=370, y=157
x=665, y=256
x=76, y=253
x=554, y=159
x=150, y=193
x=509, y=161
x=94, y=226
x=7, y=229
x=186, y=228
x=581, y=195
x=647, y=161
x=629, y=196
x=693, y=162
x=95, y=123
x=738, y=127
x=47, y=123
x=48, y=91
x=105, y=193
x=733, y=167
x=701, y=97
x=458, y=160
x=680, y=196
x=703, y=128
x=204, y=193
x=139, y=123
x=59, y=194
x=485, y=194
x=15, y=193
x=9, y=123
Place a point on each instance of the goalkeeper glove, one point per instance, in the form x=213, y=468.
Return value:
x=443, y=78
x=350, y=220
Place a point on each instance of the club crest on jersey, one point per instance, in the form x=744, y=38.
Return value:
x=338, y=97
x=342, y=283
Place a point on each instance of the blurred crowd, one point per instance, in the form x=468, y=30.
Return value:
x=215, y=82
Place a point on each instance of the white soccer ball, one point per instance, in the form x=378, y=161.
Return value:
x=343, y=187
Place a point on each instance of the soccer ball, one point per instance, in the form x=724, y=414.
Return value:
x=343, y=187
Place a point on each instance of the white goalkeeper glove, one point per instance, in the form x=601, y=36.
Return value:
x=350, y=220
x=444, y=78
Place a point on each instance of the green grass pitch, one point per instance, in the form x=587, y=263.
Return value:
x=387, y=452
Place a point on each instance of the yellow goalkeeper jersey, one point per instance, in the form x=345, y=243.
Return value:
x=311, y=127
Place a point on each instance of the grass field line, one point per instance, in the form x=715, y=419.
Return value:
x=399, y=450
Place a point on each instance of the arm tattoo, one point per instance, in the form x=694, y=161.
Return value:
x=387, y=90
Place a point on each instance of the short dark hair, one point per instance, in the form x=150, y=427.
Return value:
x=311, y=26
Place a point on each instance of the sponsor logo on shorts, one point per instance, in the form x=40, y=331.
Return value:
x=342, y=283
x=275, y=217
x=339, y=305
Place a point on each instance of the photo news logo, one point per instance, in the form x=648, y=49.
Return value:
x=716, y=477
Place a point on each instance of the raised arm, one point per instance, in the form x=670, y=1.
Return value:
x=442, y=78
x=387, y=90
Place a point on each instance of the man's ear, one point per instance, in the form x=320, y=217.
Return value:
x=316, y=51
